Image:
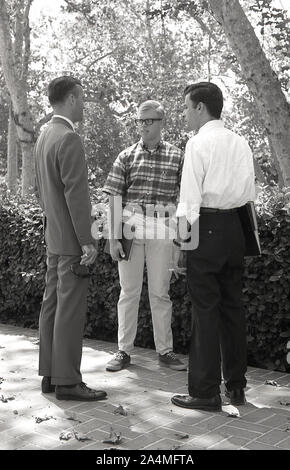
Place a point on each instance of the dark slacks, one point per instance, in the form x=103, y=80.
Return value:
x=61, y=322
x=214, y=274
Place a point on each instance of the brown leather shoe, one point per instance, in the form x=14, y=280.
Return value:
x=237, y=396
x=46, y=385
x=207, y=404
x=78, y=392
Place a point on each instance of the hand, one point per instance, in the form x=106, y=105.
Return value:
x=89, y=254
x=116, y=250
x=178, y=262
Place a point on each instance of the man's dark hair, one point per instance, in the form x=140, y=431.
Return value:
x=207, y=93
x=60, y=87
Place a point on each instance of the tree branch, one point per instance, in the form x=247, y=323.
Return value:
x=100, y=58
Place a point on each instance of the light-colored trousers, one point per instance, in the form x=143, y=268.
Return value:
x=158, y=256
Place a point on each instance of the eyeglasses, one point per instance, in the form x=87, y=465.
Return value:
x=80, y=270
x=147, y=122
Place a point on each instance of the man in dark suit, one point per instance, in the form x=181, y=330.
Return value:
x=63, y=193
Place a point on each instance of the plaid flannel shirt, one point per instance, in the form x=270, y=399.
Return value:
x=143, y=176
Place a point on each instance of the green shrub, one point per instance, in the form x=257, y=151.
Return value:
x=266, y=283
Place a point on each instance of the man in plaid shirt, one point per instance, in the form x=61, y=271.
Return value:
x=146, y=177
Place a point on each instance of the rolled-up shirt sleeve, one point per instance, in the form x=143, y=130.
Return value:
x=116, y=181
x=191, y=182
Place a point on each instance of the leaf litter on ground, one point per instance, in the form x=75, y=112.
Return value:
x=120, y=411
x=81, y=437
x=40, y=419
x=115, y=437
x=232, y=411
x=181, y=436
x=72, y=417
x=67, y=435
x=284, y=403
x=6, y=399
x=272, y=382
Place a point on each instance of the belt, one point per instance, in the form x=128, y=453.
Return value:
x=155, y=214
x=158, y=214
x=211, y=210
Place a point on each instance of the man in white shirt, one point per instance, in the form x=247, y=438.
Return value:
x=218, y=177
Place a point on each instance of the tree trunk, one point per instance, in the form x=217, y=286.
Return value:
x=262, y=82
x=25, y=130
x=15, y=74
x=12, y=154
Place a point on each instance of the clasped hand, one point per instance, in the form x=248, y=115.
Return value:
x=178, y=262
x=89, y=254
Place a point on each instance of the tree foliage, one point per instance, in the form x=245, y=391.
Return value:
x=125, y=51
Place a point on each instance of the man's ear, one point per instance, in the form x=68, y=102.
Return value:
x=200, y=106
x=72, y=98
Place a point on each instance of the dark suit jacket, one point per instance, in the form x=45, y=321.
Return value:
x=62, y=187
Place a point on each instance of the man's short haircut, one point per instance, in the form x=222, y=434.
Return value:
x=60, y=87
x=152, y=104
x=207, y=93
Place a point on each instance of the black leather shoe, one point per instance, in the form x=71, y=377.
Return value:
x=79, y=392
x=207, y=404
x=237, y=396
x=46, y=385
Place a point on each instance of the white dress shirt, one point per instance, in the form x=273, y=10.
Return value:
x=66, y=119
x=218, y=171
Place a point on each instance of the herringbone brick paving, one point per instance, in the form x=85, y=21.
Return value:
x=144, y=391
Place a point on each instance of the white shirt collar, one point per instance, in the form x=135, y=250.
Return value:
x=210, y=125
x=66, y=119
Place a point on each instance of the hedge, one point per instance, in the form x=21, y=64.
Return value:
x=265, y=293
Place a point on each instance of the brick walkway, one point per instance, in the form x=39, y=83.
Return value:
x=144, y=391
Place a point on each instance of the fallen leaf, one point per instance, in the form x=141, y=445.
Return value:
x=81, y=437
x=66, y=435
x=120, y=411
x=272, y=382
x=71, y=416
x=114, y=438
x=232, y=411
x=6, y=399
x=234, y=414
x=39, y=419
x=181, y=436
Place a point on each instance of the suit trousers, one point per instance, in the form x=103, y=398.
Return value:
x=218, y=338
x=61, y=322
x=158, y=255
